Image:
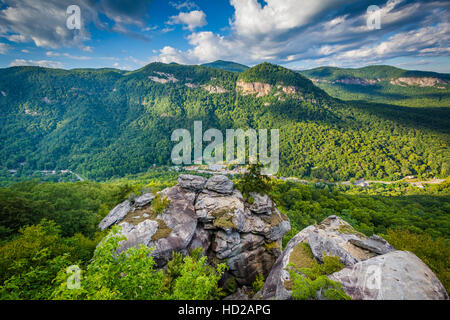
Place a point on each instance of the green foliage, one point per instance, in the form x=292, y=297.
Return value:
x=197, y=280
x=132, y=275
x=312, y=282
x=110, y=276
x=368, y=210
x=253, y=181
x=75, y=207
x=226, y=65
x=30, y=262
x=258, y=284
x=160, y=203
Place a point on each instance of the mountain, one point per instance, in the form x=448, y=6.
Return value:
x=384, y=84
x=107, y=123
x=226, y=65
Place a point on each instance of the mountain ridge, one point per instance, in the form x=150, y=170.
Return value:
x=104, y=123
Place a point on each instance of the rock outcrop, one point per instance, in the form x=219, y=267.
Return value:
x=403, y=275
x=163, y=78
x=419, y=81
x=208, y=213
x=397, y=275
x=262, y=89
x=214, y=89
x=258, y=88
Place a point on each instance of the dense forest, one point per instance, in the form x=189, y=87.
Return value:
x=104, y=123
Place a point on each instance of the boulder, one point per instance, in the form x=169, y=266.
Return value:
x=396, y=275
x=374, y=244
x=191, y=182
x=208, y=214
x=143, y=200
x=333, y=236
x=220, y=184
x=261, y=204
x=115, y=215
x=374, y=269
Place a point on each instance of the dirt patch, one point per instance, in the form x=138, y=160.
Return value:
x=137, y=216
x=358, y=253
x=301, y=256
x=163, y=230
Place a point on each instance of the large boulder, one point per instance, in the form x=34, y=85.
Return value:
x=220, y=184
x=191, y=182
x=115, y=215
x=374, y=269
x=398, y=275
x=208, y=214
x=334, y=237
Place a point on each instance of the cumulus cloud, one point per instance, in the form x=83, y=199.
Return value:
x=38, y=63
x=44, y=22
x=39, y=22
x=189, y=20
x=330, y=32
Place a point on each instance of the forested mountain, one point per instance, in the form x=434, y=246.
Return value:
x=226, y=65
x=384, y=84
x=102, y=123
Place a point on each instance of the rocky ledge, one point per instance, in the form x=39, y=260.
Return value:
x=208, y=213
x=374, y=269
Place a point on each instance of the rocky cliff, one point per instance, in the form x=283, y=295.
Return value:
x=208, y=213
x=212, y=214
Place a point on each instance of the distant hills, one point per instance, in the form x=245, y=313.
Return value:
x=104, y=123
x=384, y=84
x=381, y=83
x=226, y=65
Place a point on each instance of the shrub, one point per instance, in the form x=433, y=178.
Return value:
x=312, y=282
x=253, y=181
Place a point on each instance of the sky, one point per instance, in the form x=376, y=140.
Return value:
x=298, y=34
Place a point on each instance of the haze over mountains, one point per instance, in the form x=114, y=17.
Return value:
x=103, y=123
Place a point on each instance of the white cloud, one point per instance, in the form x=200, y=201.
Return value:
x=39, y=22
x=44, y=22
x=169, y=54
x=39, y=63
x=189, y=20
x=188, y=5
x=421, y=42
x=332, y=32
x=67, y=55
x=4, y=48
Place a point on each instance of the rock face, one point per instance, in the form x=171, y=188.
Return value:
x=260, y=88
x=418, y=81
x=402, y=274
x=214, y=89
x=397, y=275
x=207, y=213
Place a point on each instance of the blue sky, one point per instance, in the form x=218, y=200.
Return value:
x=298, y=34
